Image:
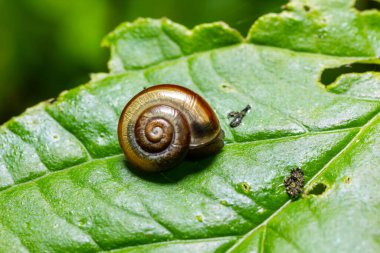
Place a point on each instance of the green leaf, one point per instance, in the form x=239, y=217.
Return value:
x=321, y=26
x=65, y=186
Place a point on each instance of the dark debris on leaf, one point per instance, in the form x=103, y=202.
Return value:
x=237, y=117
x=294, y=183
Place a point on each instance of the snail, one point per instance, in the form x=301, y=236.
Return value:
x=163, y=124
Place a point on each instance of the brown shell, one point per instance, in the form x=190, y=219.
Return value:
x=162, y=124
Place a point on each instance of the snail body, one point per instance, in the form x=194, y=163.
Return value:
x=163, y=124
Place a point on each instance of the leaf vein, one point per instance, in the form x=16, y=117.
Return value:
x=290, y=117
x=63, y=218
x=120, y=155
x=71, y=133
x=15, y=235
x=154, y=218
x=264, y=223
x=172, y=40
x=31, y=146
x=201, y=90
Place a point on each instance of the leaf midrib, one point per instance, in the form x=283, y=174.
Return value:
x=282, y=138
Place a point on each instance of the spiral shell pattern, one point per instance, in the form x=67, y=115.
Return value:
x=162, y=124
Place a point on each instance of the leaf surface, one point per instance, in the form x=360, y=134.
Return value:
x=65, y=186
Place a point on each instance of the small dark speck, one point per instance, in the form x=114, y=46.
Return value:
x=348, y=180
x=306, y=8
x=245, y=187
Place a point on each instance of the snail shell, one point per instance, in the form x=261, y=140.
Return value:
x=162, y=124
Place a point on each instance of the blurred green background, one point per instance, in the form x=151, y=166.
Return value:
x=47, y=46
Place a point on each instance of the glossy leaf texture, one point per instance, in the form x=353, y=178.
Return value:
x=65, y=186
